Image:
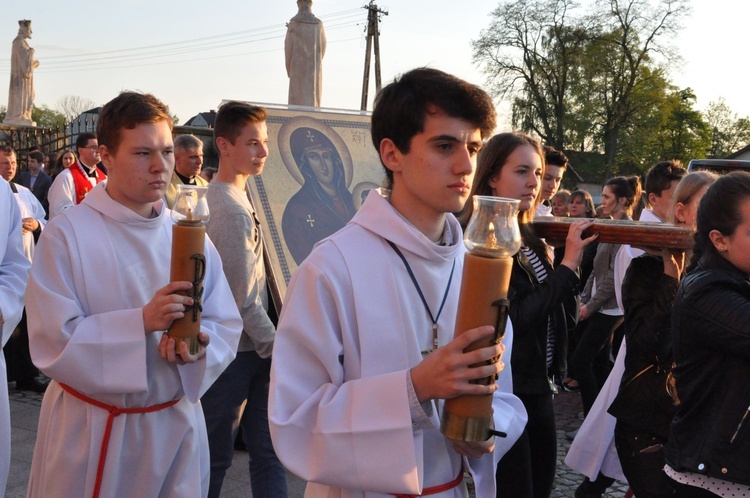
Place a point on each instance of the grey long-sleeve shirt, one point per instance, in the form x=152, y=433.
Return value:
x=234, y=230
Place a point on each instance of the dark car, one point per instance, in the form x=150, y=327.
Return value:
x=719, y=166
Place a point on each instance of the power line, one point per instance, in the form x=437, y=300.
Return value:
x=103, y=67
x=337, y=20
x=48, y=68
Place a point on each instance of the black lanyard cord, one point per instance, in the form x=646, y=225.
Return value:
x=421, y=294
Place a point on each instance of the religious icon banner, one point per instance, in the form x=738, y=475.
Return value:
x=321, y=165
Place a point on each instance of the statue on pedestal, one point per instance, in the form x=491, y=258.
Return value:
x=22, y=65
x=304, y=47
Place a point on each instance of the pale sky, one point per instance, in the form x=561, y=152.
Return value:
x=193, y=54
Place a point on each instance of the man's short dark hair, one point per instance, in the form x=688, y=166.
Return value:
x=555, y=157
x=661, y=176
x=233, y=116
x=7, y=150
x=126, y=111
x=37, y=155
x=402, y=106
x=83, y=140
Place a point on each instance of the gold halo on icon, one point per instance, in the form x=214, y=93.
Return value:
x=285, y=133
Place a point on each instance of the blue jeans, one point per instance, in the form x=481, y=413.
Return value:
x=246, y=378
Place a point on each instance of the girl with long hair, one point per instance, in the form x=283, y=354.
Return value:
x=542, y=309
x=643, y=407
x=709, y=441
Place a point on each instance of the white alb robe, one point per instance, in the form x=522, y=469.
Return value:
x=30, y=208
x=351, y=328
x=96, y=266
x=14, y=271
x=62, y=192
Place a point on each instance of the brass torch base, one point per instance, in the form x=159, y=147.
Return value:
x=463, y=428
x=192, y=343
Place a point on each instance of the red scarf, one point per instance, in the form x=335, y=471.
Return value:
x=81, y=180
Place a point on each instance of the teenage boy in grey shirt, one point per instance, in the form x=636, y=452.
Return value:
x=242, y=141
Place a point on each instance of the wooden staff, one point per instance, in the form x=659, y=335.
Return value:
x=635, y=233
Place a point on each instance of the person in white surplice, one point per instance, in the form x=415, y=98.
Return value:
x=357, y=380
x=99, y=301
x=14, y=271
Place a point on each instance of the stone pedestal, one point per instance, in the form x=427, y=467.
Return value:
x=19, y=122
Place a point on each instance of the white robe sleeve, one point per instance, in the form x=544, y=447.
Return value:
x=354, y=434
x=98, y=353
x=14, y=270
x=61, y=194
x=14, y=266
x=105, y=350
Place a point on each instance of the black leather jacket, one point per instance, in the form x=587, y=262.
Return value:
x=710, y=432
x=647, y=294
x=531, y=303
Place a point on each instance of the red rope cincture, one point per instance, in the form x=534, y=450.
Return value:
x=437, y=489
x=114, y=411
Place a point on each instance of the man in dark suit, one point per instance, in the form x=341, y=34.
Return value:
x=36, y=180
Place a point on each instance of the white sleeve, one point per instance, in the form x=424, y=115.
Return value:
x=68, y=344
x=326, y=429
x=106, y=351
x=62, y=194
x=14, y=266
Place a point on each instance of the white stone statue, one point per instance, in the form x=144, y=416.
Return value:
x=22, y=65
x=305, y=46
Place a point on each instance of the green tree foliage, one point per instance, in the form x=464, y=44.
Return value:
x=728, y=131
x=592, y=80
x=47, y=118
x=529, y=53
x=620, y=70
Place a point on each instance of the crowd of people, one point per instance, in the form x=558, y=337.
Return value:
x=345, y=386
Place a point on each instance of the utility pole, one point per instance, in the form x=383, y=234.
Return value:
x=373, y=40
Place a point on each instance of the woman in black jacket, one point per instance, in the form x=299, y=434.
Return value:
x=543, y=307
x=709, y=443
x=643, y=407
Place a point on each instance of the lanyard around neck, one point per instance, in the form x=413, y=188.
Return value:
x=434, y=318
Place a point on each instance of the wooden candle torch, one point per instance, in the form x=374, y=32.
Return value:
x=492, y=237
x=190, y=214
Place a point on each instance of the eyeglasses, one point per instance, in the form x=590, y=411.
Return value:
x=93, y=148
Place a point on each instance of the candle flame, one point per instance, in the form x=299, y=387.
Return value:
x=491, y=240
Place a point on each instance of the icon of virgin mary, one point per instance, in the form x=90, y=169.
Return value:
x=323, y=205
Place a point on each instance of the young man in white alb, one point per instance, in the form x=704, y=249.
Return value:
x=357, y=380
x=121, y=416
x=14, y=271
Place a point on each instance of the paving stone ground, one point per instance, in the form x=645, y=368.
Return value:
x=24, y=408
